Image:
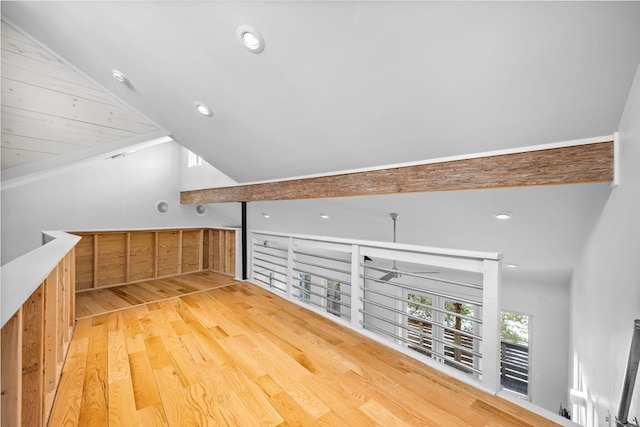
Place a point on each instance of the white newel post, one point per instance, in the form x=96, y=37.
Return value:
x=356, y=292
x=491, y=325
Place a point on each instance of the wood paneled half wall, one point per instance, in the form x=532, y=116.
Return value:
x=110, y=258
x=35, y=341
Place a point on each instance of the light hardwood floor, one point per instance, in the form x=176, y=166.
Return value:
x=240, y=356
x=97, y=301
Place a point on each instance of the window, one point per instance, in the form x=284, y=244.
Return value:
x=305, y=287
x=194, y=160
x=456, y=322
x=333, y=297
x=514, y=352
x=420, y=328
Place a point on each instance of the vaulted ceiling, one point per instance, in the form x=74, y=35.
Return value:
x=343, y=85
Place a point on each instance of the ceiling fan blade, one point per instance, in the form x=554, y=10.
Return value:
x=389, y=275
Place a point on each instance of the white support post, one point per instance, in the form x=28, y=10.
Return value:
x=356, y=292
x=491, y=325
x=290, y=262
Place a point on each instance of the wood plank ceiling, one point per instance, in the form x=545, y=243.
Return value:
x=49, y=109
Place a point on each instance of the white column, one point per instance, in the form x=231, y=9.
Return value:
x=491, y=282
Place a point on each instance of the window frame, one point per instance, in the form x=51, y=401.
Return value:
x=529, y=346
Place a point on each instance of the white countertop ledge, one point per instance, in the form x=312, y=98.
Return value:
x=22, y=276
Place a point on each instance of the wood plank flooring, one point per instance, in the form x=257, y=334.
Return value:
x=240, y=356
x=105, y=300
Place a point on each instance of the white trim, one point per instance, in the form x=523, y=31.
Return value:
x=22, y=276
x=30, y=172
x=388, y=245
x=550, y=146
x=616, y=160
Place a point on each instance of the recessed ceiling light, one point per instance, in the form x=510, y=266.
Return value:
x=266, y=215
x=511, y=265
x=503, y=215
x=324, y=216
x=203, y=109
x=119, y=76
x=250, y=38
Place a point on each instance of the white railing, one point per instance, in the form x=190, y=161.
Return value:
x=439, y=306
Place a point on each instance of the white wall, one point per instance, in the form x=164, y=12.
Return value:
x=548, y=306
x=204, y=176
x=104, y=194
x=605, y=289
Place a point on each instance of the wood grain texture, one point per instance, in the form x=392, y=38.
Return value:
x=49, y=109
x=112, y=258
x=99, y=301
x=568, y=165
x=12, y=371
x=240, y=356
x=35, y=343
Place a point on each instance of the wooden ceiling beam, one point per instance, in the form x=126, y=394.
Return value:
x=565, y=165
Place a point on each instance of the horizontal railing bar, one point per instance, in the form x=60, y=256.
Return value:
x=346, y=261
x=436, y=324
x=267, y=268
x=321, y=286
x=308, y=301
x=399, y=247
x=318, y=275
x=421, y=276
x=270, y=247
x=269, y=285
x=268, y=254
x=427, y=291
x=438, y=309
x=431, y=337
x=270, y=262
x=447, y=358
x=323, y=267
x=320, y=295
x=271, y=277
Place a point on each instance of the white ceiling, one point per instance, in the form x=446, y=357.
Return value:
x=344, y=85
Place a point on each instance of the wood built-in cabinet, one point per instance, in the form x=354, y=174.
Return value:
x=109, y=258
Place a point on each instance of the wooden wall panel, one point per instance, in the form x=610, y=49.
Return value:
x=230, y=252
x=33, y=359
x=167, y=258
x=566, y=165
x=112, y=255
x=35, y=342
x=85, y=261
x=206, y=252
x=191, y=252
x=12, y=371
x=223, y=249
x=50, y=287
x=112, y=258
x=142, y=256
